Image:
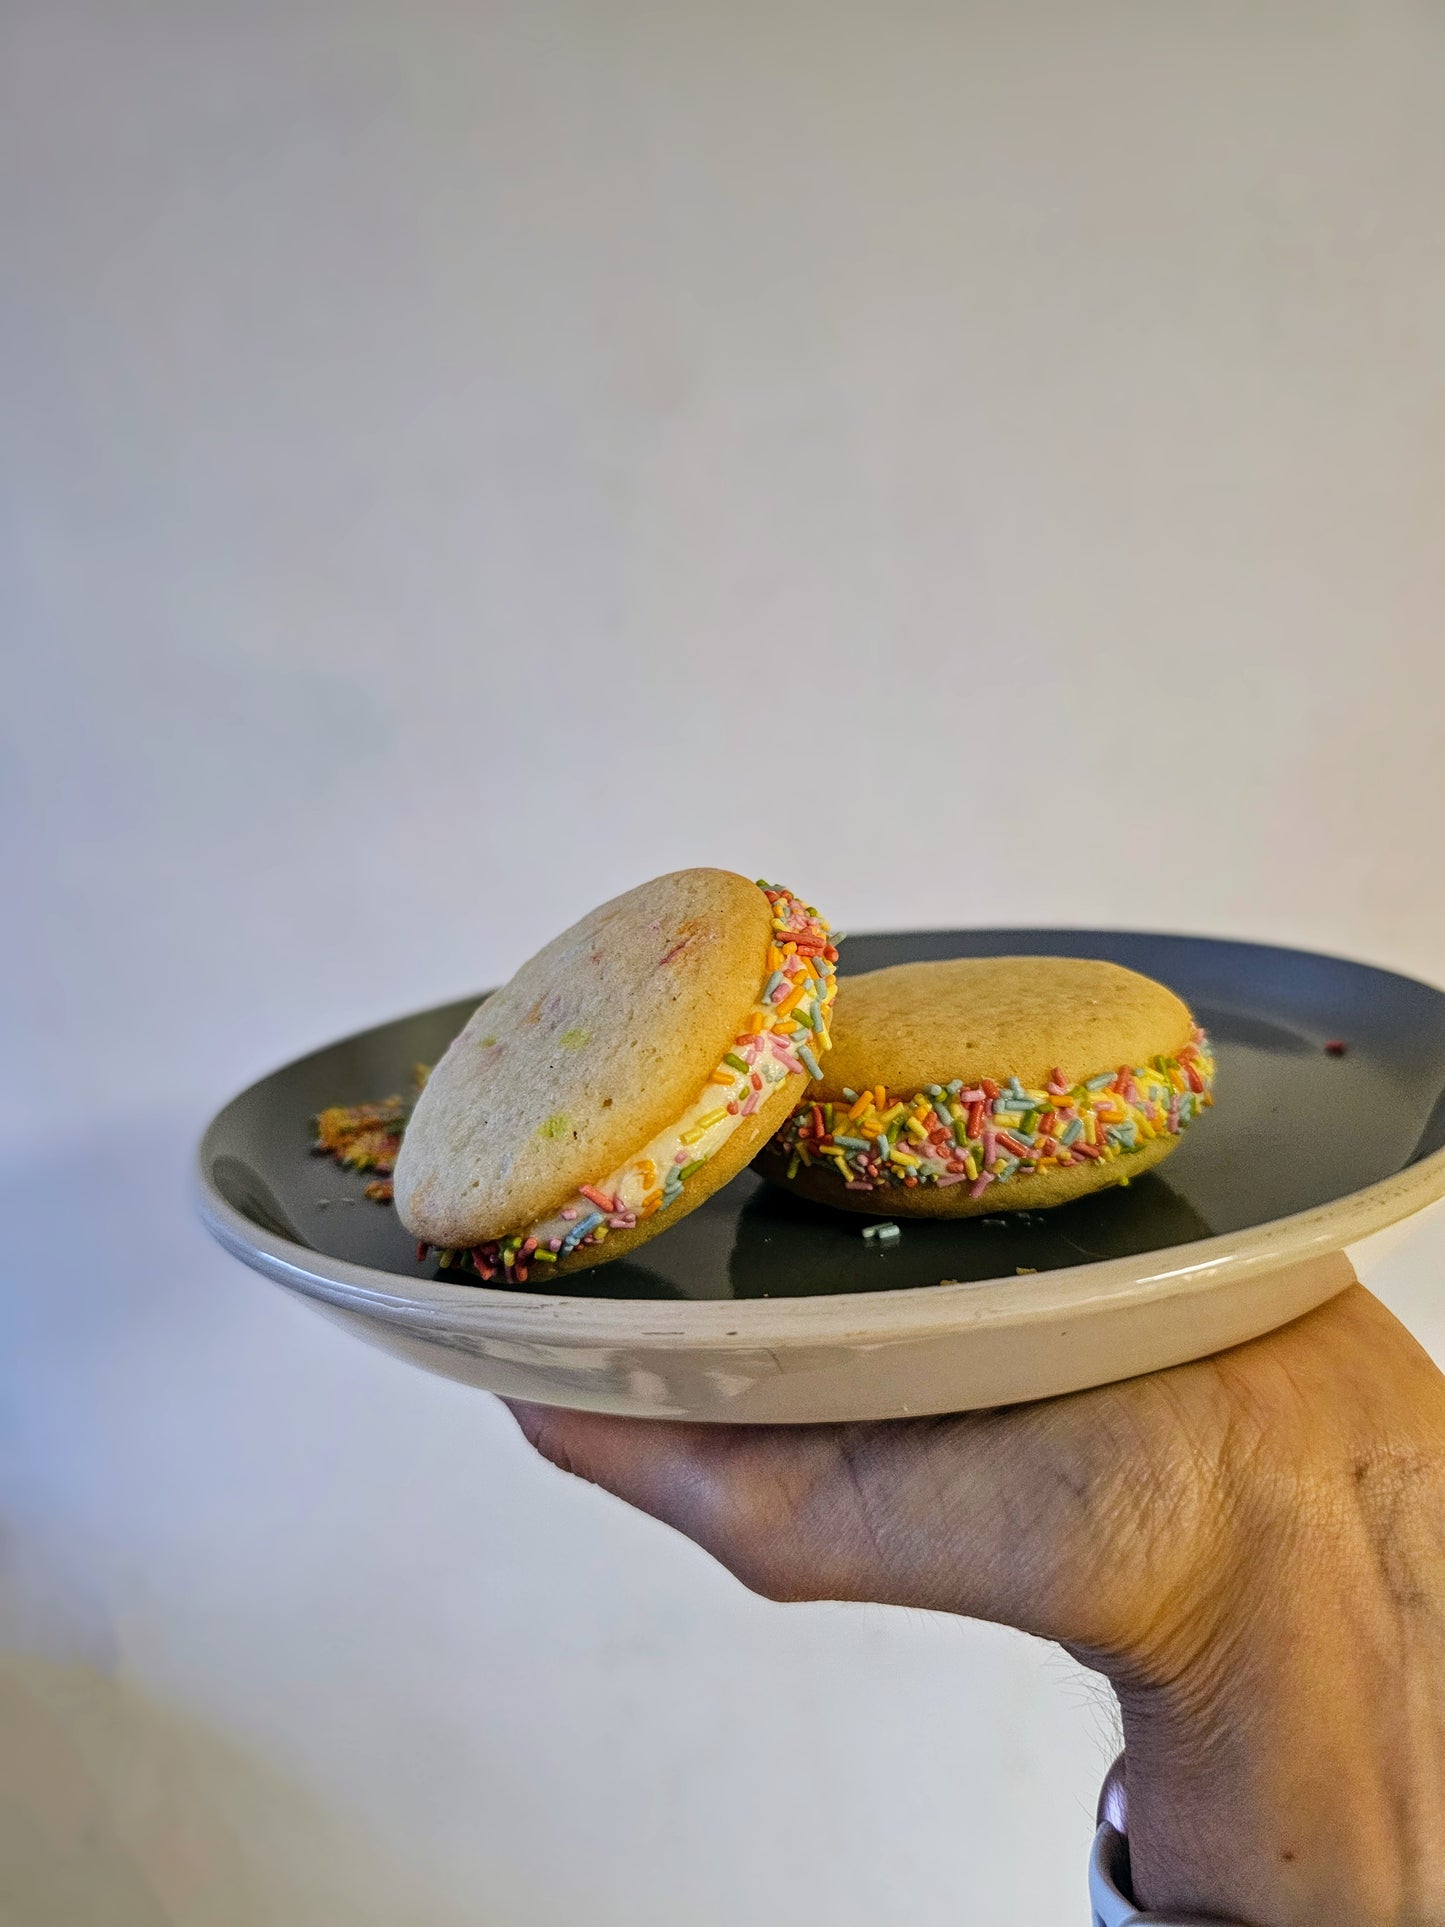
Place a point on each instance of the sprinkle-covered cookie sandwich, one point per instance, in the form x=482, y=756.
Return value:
x=627, y=1071
x=993, y=1084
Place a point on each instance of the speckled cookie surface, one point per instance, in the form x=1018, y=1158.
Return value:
x=998, y=1083
x=594, y=1045
x=972, y=1017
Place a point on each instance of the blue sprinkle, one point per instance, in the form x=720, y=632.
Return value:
x=817, y=1016
x=880, y=1145
x=1098, y=1083
x=1073, y=1132
x=934, y=1090
x=852, y=1143
x=581, y=1229
x=771, y=985
x=955, y=1086
x=852, y=1096
x=1010, y=1165
x=815, y=1069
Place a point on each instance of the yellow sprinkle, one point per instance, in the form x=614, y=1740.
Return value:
x=706, y=1122
x=970, y=1164
x=888, y=1116
x=759, y=1023
x=916, y=1131
x=722, y=1076
x=899, y=1156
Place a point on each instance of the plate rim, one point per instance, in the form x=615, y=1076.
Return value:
x=909, y=1311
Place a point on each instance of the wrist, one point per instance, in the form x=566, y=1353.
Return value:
x=1287, y=1747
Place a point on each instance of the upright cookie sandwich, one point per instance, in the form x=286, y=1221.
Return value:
x=993, y=1084
x=626, y=1072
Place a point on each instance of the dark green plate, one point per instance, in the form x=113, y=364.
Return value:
x=1294, y=1127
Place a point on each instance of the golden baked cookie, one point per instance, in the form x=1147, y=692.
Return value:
x=629, y=1069
x=989, y=1084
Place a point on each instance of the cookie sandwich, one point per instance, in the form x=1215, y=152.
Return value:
x=989, y=1084
x=627, y=1071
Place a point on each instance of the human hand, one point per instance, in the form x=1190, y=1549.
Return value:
x=1249, y=1547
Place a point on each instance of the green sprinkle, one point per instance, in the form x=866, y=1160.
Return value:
x=545, y=1257
x=555, y=1126
x=735, y=1062
x=687, y=1170
x=574, y=1039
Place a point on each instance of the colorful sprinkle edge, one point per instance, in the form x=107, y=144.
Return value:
x=991, y=1133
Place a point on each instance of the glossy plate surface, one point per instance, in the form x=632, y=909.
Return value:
x=761, y=1306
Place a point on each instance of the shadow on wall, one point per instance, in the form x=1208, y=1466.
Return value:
x=117, y=1812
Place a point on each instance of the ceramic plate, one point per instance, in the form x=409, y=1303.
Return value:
x=761, y=1307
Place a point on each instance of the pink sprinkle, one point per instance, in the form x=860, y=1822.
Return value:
x=555, y=1244
x=780, y=993
x=859, y=1184
x=975, y=1096
x=682, y=1157
x=980, y=1184
x=750, y=1106
x=952, y=1177
x=569, y=1211
x=622, y=1221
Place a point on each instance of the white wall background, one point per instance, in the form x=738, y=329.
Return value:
x=1013, y=433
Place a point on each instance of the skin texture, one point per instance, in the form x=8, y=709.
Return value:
x=1251, y=1548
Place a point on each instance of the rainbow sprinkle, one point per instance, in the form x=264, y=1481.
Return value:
x=783, y=1035
x=989, y=1133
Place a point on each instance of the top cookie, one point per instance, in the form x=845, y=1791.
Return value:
x=972, y=1017
x=596, y=1049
